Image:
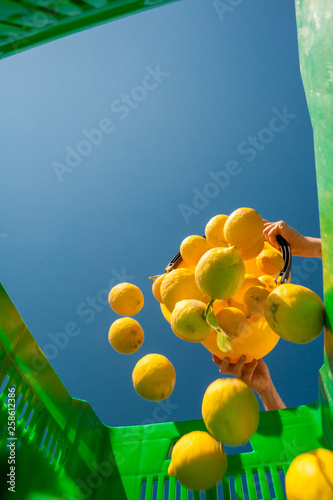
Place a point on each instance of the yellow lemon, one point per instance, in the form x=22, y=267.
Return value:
x=126, y=335
x=237, y=305
x=154, y=377
x=249, y=280
x=310, y=476
x=230, y=411
x=295, y=312
x=220, y=272
x=232, y=321
x=218, y=305
x=198, y=461
x=268, y=282
x=252, y=252
x=270, y=261
x=166, y=313
x=192, y=248
x=187, y=320
x=178, y=285
x=255, y=299
x=126, y=299
x=214, y=231
x=156, y=288
x=243, y=228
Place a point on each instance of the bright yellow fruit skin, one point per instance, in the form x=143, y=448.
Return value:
x=310, y=476
x=220, y=272
x=192, y=249
x=154, y=377
x=243, y=228
x=126, y=299
x=252, y=252
x=258, y=338
x=230, y=411
x=198, y=461
x=270, y=261
x=214, y=231
x=187, y=320
x=232, y=321
x=156, y=288
x=295, y=312
x=268, y=282
x=255, y=298
x=249, y=280
x=178, y=285
x=126, y=335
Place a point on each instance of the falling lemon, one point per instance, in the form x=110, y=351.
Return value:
x=126, y=335
x=187, y=320
x=198, y=461
x=243, y=228
x=230, y=411
x=178, y=285
x=295, y=312
x=154, y=377
x=126, y=299
x=220, y=272
x=310, y=476
x=192, y=249
x=214, y=231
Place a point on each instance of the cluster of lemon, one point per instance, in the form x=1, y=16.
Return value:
x=126, y=334
x=227, y=278
x=223, y=288
x=153, y=376
x=230, y=411
x=223, y=285
x=213, y=271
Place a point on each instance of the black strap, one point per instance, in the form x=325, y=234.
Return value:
x=173, y=262
x=287, y=257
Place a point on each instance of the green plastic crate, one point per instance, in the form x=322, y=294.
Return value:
x=86, y=459
x=28, y=23
x=63, y=449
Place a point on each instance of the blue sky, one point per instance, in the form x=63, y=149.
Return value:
x=182, y=95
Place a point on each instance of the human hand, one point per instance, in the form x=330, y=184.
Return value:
x=294, y=239
x=255, y=374
x=303, y=246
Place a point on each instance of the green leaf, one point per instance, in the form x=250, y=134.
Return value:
x=223, y=341
x=212, y=321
